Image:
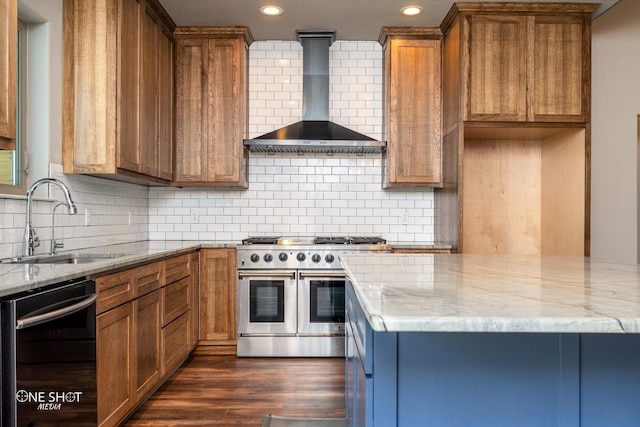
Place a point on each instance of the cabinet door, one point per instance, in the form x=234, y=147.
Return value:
x=128, y=99
x=560, y=64
x=218, y=296
x=194, y=306
x=114, y=339
x=8, y=58
x=191, y=110
x=165, y=105
x=149, y=86
x=147, y=343
x=211, y=111
x=413, y=113
x=497, y=62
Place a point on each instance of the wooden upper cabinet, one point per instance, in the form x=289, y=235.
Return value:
x=412, y=106
x=118, y=90
x=211, y=105
x=525, y=62
x=497, y=62
x=8, y=70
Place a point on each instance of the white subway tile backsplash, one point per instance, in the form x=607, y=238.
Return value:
x=288, y=194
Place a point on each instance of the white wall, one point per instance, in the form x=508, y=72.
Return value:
x=615, y=109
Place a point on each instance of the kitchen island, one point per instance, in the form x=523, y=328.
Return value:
x=492, y=340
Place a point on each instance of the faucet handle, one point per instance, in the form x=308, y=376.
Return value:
x=35, y=240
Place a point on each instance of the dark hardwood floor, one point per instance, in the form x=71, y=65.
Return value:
x=223, y=390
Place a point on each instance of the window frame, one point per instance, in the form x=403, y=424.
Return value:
x=20, y=153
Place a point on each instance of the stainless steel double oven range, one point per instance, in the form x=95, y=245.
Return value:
x=291, y=294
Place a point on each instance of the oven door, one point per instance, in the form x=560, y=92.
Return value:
x=267, y=302
x=321, y=302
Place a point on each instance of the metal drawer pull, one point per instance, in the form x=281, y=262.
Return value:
x=39, y=319
x=322, y=274
x=286, y=274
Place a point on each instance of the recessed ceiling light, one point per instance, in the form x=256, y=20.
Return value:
x=271, y=10
x=411, y=10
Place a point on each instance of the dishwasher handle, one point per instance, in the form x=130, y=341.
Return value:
x=38, y=319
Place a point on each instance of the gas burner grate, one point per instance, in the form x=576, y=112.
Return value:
x=346, y=240
x=267, y=240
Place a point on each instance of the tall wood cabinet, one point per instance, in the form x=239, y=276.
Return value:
x=412, y=106
x=218, y=297
x=516, y=128
x=118, y=90
x=211, y=105
x=8, y=58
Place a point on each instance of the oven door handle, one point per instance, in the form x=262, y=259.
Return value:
x=276, y=273
x=38, y=319
x=322, y=274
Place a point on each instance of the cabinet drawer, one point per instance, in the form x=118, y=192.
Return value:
x=147, y=278
x=114, y=290
x=175, y=300
x=175, y=343
x=177, y=268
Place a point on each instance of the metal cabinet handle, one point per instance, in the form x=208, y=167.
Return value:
x=321, y=274
x=39, y=319
x=286, y=274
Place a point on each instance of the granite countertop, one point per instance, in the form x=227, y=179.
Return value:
x=15, y=278
x=495, y=293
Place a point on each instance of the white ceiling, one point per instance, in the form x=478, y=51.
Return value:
x=352, y=19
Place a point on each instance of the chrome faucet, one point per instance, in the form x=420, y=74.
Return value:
x=55, y=244
x=31, y=239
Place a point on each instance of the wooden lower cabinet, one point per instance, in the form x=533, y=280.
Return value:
x=218, y=297
x=114, y=337
x=144, y=331
x=147, y=343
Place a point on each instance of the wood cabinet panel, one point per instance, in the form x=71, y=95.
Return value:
x=112, y=99
x=114, y=337
x=497, y=60
x=517, y=106
x=175, y=343
x=211, y=105
x=114, y=290
x=194, y=305
x=145, y=330
x=560, y=58
x=218, y=296
x=412, y=108
x=175, y=300
x=165, y=104
x=8, y=58
x=177, y=267
x=146, y=358
x=147, y=278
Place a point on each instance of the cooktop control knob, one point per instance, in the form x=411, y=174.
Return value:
x=283, y=257
x=268, y=258
x=316, y=258
x=255, y=258
x=301, y=257
x=329, y=258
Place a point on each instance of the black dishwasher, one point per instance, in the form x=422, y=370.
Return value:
x=49, y=356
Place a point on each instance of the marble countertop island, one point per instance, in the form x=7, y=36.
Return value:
x=495, y=293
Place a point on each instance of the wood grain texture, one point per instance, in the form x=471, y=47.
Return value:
x=146, y=360
x=412, y=108
x=211, y=106
x=213, y=390
x=218, y=296
x=8, y=58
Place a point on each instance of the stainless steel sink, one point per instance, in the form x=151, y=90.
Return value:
x=68, y=258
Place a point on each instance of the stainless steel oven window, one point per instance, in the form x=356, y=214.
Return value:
x=326, y=301
x=266, y=299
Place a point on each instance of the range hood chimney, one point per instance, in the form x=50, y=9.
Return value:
x=315, y=133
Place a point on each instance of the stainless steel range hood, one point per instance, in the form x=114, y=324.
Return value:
x=315, y=133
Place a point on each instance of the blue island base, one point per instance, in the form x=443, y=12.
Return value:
x=461, y=379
